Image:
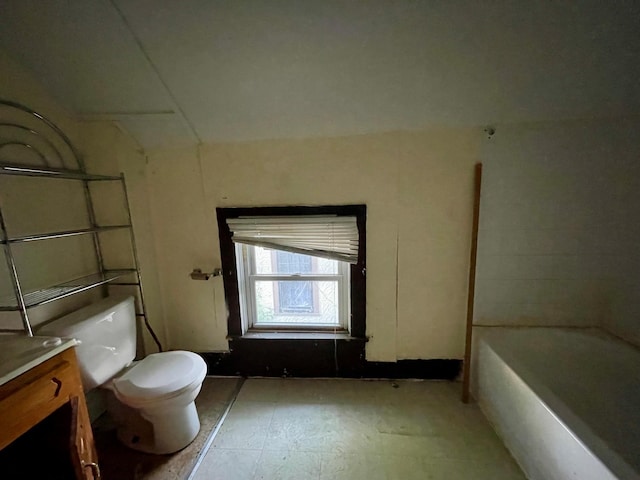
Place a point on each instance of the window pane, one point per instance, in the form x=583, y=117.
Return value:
x=297, y=302
x=287, y=262
x=295, y=297
x=274, y=262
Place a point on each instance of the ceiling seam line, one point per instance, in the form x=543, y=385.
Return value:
x=153, y=66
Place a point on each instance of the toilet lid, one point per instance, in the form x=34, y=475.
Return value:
x=161, y=374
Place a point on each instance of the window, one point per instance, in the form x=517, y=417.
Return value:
x=295, y=297
x=285, y=290
x=294, y=268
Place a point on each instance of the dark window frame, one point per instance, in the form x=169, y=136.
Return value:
x=230, y=274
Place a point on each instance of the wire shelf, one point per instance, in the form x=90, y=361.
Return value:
x=46, y=295
x=48, y=172
x=66, y=233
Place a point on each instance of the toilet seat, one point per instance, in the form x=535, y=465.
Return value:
x=160, y=376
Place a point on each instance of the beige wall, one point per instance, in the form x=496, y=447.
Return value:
x=19, y=85
x=108, y=150
x=418, y=189
x=22, y=203
x=558, y=226
x=557, y=240
x=39, y=205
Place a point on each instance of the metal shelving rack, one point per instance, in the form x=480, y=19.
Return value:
x=29, y=138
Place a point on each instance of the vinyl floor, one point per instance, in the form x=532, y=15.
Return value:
x=302, y=429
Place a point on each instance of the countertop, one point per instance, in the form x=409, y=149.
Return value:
x=20, y=353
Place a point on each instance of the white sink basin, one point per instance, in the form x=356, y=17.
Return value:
x=19, y=353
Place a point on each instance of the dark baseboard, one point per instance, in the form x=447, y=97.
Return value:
x=432, y=369
x=319, y=358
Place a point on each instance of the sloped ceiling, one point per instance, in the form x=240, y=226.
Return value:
x=203, y=70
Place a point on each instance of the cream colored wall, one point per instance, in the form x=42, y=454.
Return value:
x=558, y=226
x=436, y=200
x=108, y=150
x=38, y=205
x=418, y=190
x=19, y=85
x=22, y=202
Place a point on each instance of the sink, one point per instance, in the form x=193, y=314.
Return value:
x=19, y=353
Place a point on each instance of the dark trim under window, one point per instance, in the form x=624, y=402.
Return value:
x=230, y=275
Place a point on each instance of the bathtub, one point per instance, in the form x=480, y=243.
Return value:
x=566, y=402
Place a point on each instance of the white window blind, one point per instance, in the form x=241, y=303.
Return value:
x=334, y=237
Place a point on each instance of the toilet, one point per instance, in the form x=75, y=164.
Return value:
x=152, y=400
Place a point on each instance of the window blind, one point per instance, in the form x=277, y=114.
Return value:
x=334, y=237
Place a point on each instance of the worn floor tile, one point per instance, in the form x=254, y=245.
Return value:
x=246, y=426
x=261, y=390
x=226, y=464
x=347, y=466
x=288, y=465
x=446, y=469
x=355, y=429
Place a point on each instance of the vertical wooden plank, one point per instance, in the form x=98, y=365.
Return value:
x=466, y=376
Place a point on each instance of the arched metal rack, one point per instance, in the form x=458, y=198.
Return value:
x=43, y=150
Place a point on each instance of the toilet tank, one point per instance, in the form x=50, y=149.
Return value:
x=106, y=331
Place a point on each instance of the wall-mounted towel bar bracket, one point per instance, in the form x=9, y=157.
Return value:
x=198, y=274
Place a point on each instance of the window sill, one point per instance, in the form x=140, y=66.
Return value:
x=255, y=335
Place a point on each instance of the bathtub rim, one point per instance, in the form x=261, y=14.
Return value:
x=556, y=407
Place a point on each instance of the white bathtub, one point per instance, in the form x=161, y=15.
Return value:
x=565, y=401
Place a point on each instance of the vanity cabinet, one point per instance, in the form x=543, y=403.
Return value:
x=50, y=398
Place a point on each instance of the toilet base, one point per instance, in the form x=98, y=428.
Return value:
x=160, y=432
x=173, y=429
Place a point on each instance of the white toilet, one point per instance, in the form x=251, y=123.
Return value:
x=154, y=398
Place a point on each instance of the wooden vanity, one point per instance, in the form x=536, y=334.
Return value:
x=48, y=396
